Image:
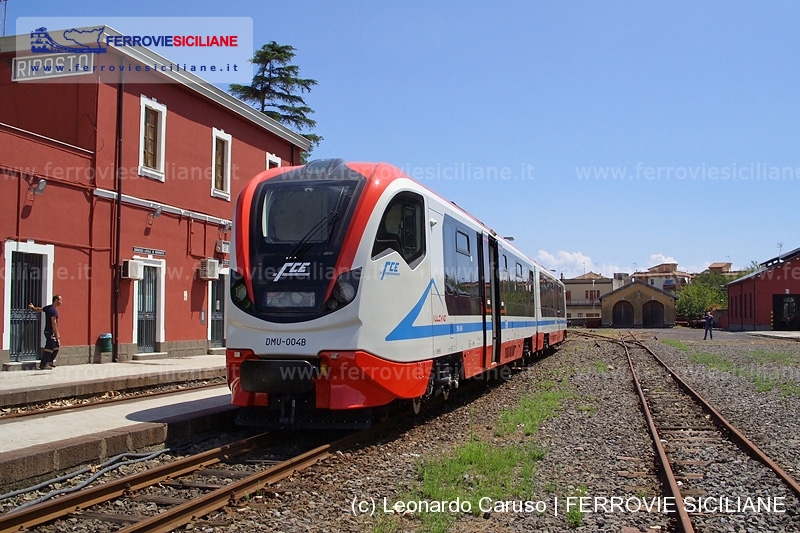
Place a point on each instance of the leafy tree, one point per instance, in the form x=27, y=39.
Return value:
x=277, y=88
x=707, y=291
x=695, y=299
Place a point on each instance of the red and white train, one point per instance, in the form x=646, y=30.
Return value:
x=353, y=286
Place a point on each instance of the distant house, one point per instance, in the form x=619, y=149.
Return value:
x=769, y=298
x=583, y=298
x=665, y=277
x=638, y=305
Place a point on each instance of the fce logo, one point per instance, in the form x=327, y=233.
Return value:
x=391, y=268
x=293, y=270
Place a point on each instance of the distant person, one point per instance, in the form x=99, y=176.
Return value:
x=709, y=318
x=51, y=333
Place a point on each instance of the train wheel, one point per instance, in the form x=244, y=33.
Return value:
x=416, y=405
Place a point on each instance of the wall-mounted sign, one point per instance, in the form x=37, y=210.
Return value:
x=148, y=251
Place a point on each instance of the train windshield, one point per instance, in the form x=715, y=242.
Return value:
x=304, y=215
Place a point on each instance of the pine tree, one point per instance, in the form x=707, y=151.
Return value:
x=276, y=89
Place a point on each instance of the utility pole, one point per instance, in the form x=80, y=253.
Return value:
x=5, y=14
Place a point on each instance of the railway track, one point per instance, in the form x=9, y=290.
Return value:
x=707, y=465
x=179, y=492
x=15, y=411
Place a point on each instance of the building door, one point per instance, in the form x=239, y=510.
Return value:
x=146, y=332
x=622, y=315
x=27, y=277
x=653, y=314
x=784, y=312
x=217, y=312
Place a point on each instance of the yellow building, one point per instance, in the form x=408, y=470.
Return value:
x=638, y=305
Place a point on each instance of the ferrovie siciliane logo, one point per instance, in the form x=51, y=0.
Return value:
x=67, y=41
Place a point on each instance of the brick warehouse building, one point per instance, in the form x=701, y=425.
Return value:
x=769, y=298
x=91, y=174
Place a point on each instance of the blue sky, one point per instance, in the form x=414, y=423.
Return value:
x=602, y=136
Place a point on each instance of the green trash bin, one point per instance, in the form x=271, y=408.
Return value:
x=105, y=343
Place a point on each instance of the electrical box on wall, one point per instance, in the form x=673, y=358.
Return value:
x=223, y=247
x=209, y=269
x=132, y=269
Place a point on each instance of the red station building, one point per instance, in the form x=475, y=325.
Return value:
x=116, y=192
x=768, y=299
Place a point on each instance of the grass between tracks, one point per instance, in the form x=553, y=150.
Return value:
x=763, y=378
x=499, y=466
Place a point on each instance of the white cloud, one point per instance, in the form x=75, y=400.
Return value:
x=573, y=264
x=658, y=259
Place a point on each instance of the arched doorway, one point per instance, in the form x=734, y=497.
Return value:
x=623, y=315
x=653, y=314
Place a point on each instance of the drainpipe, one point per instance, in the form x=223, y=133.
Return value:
x=117, y=237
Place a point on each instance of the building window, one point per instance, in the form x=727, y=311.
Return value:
x=273, y=161
x=152, y=138
x=569, y=296
x=221, y=164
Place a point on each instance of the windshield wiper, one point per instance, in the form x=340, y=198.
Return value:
x=304, y=244
x=335, y=218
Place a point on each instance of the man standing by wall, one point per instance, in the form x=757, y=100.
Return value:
x=51, y=333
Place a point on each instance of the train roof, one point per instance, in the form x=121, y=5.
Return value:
x=381, y=175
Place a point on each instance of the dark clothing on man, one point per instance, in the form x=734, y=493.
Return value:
x=50, y=312
x=50, y=351
x=51, y=344
x=709, y=326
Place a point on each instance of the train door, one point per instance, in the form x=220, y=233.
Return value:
x=443, y=343
x=491, y=284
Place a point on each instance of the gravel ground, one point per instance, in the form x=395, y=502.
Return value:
x=596, y=446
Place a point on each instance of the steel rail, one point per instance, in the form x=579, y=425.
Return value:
x=684, y=522
x=181, y=515
x=749, y=445
x=13, y=521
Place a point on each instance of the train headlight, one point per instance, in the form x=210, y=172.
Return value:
x=239, y=294
x=344, y=290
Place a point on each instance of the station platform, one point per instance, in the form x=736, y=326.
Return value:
x=37, y=447
x=783, y=335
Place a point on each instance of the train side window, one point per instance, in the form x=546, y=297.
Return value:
x=462, y=243
x=402, y=228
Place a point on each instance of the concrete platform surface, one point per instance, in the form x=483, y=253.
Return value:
x=42, y=446
x=24, y=387
x=23, y=433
